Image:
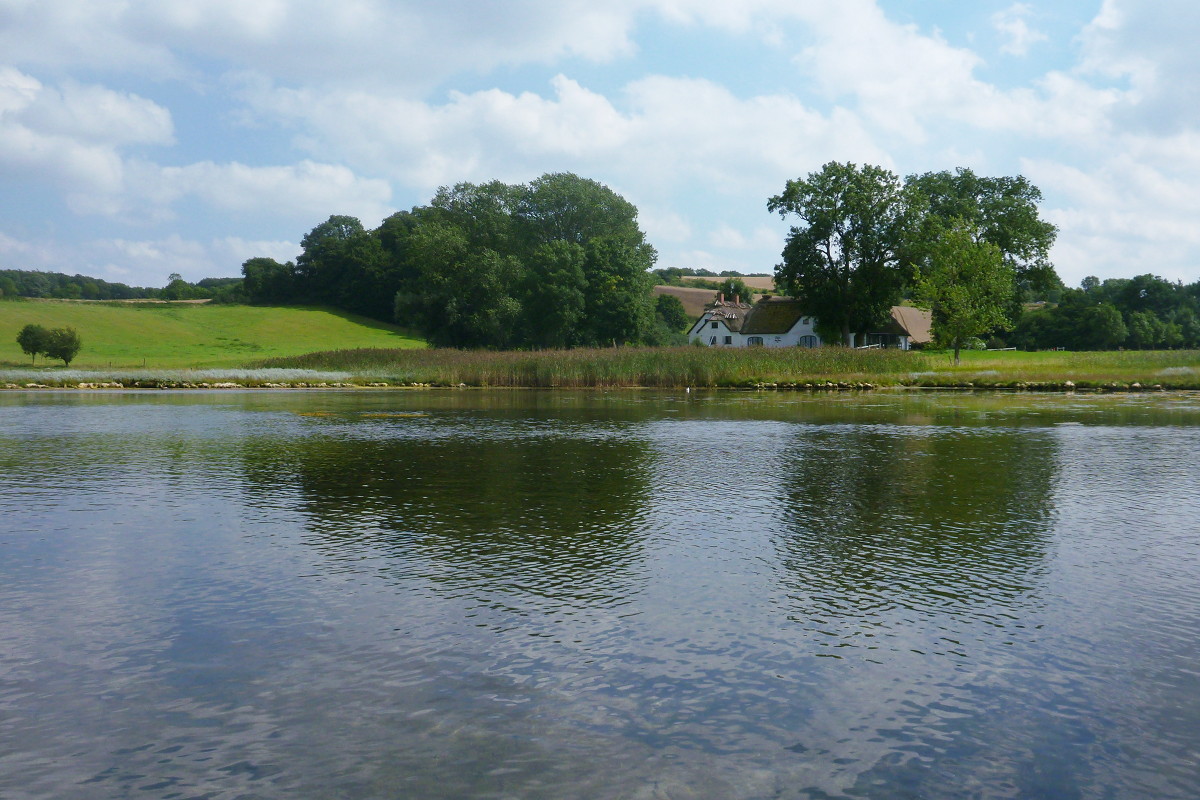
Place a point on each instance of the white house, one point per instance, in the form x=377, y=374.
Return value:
x=778, y=322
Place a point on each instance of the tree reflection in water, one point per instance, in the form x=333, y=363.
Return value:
x=519, y=516
x=890, y=526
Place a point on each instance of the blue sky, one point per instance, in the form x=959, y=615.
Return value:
x=148, y=137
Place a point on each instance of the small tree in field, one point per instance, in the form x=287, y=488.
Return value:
x=33, y=339
x=63, y=343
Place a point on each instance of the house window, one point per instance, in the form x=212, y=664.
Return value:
x=728, y=340
x=713, y=340
x=778, y=339
x=807, y=341
x=713, y=324
x=754, y=341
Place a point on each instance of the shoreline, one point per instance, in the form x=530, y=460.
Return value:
x=1044, y=387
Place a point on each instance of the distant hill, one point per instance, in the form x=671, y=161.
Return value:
x=694, y=300
x=176, y=335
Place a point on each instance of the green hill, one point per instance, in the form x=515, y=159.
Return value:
x=182, y=335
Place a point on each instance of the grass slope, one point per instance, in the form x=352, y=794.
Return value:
x=176, y=335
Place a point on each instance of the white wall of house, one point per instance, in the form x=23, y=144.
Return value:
x=715, y=333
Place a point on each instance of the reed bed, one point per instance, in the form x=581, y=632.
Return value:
x=617, y=367
x=629, y=367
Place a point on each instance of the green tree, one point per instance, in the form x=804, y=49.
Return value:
x=464, y=294
x=733, y=287
x=619, y=307
x=1100, y=327
x=33, y=340
x=966, y=283
x=63, y=343
x=843, y=261
x=177, y=288
x=1145, y=330
x=669, y=309
x=563, y=207
x=555, y=294
x=265, y=280
x=322, y=267
x=1003, y=212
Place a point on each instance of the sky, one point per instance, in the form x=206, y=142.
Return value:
x=142, y=138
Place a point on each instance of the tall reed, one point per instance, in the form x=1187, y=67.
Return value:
x=616, y=367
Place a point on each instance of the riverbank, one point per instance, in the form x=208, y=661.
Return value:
x=758, y=368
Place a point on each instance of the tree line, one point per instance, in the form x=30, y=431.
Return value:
x=1141, y=313
x=18, y=283
x=557, y=262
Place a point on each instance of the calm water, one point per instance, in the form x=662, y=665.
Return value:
x=599, y=595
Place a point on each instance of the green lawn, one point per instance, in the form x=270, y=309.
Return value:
x=178, y=336
x=1174, y=367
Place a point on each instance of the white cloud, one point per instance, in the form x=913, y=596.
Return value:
x=235, y=251
x=99, y=115
x=663, y=225
x=760, y=238
x=138, y=262
x=73, y=134
x=910, y=85
x=663, y=134
x=412, y=44
x=1012, y=24
x=1150, y=44
x=1131, y=212
x=307, y=189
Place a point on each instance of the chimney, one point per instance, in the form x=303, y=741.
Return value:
x=721, y=298
x=737, y=299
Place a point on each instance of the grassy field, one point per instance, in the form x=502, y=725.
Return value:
x=177, y=336
x=1167, y=368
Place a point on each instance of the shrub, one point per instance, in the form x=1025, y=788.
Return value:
x=62, y=343
x=33, y=340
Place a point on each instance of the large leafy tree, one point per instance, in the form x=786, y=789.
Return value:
x=463, y=295
x=323, y=266
x=1003, y=212
x=561, y=209
x=842, y=261
x=966, y=283
x=265, y=280
x=555, y=293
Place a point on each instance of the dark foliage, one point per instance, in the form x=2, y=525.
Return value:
x=1141, y=313
x=559, y=262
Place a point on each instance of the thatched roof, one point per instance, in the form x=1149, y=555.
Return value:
x=772, y=315
x=916, y=323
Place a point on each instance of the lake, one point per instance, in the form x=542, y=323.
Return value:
x=473, y=594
